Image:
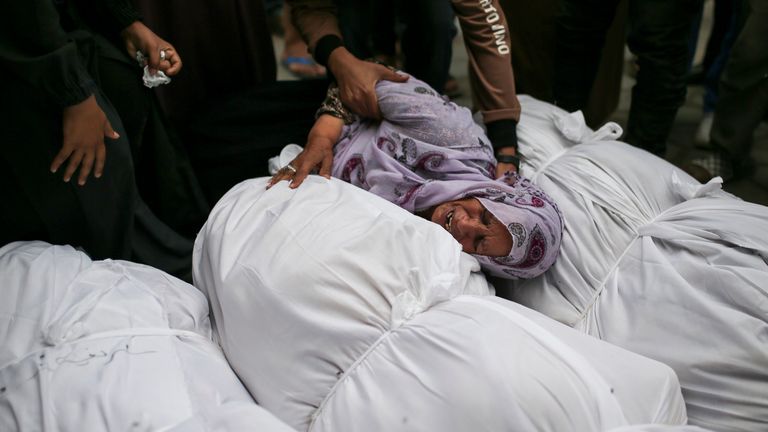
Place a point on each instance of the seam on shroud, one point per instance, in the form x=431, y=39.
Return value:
x=316, y=414
x=601, y=286
x=547, y=164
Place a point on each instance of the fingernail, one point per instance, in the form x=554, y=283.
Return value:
x=66, y=179
x=97, y=175
x=116, y=135
x=53, y=170
x=81, y=182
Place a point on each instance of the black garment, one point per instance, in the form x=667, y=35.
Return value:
x=721, y=24
x=45, y=68
x=533, y=56
x=225, y=45
x=658, y=36
x=234, y=138
x=370, y=28
x=743, y=94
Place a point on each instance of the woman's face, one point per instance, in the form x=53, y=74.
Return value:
x=478, y=231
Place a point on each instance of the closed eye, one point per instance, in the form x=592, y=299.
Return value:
x=485, y=218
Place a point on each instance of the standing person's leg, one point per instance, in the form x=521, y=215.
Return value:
x=713, y=70
x=295, y=56
x=723, y=16
x=384, y=34
x=427, y=42
x=743, y=97
x=659, y=32
x=579, y=39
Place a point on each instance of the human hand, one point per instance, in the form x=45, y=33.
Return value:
x=357, y=81
x=138, y=37
x=84, y=125
x=504, y=167
x=318, y=153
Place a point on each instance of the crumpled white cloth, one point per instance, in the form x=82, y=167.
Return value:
x=150, y=81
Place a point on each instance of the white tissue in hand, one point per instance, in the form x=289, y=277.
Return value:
x=155, y=80
x=150, y=80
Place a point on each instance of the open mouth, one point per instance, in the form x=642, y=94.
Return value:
x=448, y=220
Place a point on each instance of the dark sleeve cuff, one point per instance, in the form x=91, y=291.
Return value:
x=123, y=13
x=324, y=46
x=502, y=133
x=77, y=93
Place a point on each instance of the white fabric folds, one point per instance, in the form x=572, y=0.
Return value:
x=342, y=312
x=110, y=346
x=654, y=262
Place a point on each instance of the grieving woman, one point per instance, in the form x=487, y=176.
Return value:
x=428, y=156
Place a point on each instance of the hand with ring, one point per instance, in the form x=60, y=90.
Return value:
x=285, y=173
x=161, y=56
x=317, y=154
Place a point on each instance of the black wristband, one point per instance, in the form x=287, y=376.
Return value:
x=509, y=159
x=324, y=46
x=502, y=133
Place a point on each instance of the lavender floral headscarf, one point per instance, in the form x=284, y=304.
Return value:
x=428, y=151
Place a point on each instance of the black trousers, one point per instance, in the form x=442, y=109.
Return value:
x=369, y=28
x=658, y=35
x=743, y=93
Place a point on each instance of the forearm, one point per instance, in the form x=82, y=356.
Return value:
x=314, y=19
x=36, y=50
x=327, y=130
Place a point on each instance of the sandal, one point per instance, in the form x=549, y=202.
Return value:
x=306, y=65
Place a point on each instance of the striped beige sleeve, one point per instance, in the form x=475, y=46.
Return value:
x=486, y=38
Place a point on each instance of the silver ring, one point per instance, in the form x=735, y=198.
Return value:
x=162, y=54
x=291, y=167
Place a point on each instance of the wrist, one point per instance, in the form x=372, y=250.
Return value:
x=131, y=29
x=87, y=102
x=339, y=59
x=325, y=47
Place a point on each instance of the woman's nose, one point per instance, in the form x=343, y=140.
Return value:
x=465, y=229
x=462, y=225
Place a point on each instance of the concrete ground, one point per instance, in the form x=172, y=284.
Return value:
x=681, y=141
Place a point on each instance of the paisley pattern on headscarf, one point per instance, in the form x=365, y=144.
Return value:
x=427, y=151
x=518, y=233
